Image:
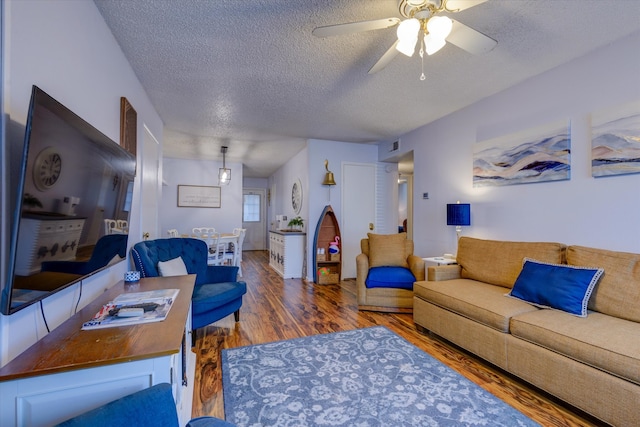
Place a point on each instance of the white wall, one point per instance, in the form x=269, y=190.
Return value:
x=282, y=181
x=599, y=212
x=200, y=172
x=255, y=183
x=66, y=49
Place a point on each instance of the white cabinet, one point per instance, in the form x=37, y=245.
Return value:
x=286, y=253
x=46, y=239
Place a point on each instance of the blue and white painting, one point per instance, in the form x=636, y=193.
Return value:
x=534, y=155
x=615, y=141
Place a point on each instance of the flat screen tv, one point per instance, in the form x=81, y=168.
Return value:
x=71, y=179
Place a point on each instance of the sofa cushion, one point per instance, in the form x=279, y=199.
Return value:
x=604, y=342
x=477, y=301
x=390, y=277
x=499, y=262
x=387, y=250
x=558, y=286
x=173, y=267
x=618, y=292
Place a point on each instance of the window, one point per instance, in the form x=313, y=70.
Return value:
x=251, y=208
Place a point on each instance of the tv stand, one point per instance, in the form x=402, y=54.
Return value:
x=71, y=371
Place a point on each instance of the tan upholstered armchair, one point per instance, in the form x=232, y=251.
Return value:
x=385, y=272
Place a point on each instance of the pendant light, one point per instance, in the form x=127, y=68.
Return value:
x=224, y=173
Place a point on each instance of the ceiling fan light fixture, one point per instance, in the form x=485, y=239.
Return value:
x=408, y=36
x=433, y=44
x=407, y=47
x=440, y=26
x=408, y=29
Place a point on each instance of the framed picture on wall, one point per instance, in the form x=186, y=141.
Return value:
x=128, y=126
x=615, y=141
x=198, y=196
x=538, y=154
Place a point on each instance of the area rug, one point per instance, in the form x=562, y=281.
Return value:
x=365, y=377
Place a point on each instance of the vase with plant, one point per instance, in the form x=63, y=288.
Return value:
x=296, y=223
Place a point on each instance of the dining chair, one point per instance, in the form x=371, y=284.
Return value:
x=172, y=232
x=216, y=249
x=122, y=224
x=234, y=252
x=109, y=226
x=202, y=232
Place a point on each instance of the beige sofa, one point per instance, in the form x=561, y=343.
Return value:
x=592, y=362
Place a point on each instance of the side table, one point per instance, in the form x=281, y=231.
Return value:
x=440, y=260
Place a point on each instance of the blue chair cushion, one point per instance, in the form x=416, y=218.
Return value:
x=390, y=277
x=216, y=295
x=150, y=407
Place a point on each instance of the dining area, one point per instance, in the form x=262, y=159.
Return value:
x=116, y=226
x=225, y=248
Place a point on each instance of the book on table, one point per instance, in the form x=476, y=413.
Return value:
x=134, y=308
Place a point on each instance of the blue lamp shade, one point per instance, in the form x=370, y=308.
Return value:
x=459, y=214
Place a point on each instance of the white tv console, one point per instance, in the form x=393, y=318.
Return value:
x=71, y=371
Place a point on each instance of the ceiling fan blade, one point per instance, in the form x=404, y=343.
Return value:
x=470, y=40
x=354, y=27
x=458, y=5
x=385, y=59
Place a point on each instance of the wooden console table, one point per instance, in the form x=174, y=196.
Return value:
x=70, y=371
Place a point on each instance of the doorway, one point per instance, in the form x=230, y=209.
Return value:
x=254, y=215
x=150, y=187
x=405, y=193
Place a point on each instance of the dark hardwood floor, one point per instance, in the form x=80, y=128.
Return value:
x=276, y=309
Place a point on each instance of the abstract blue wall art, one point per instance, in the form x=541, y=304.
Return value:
x=538, y=154
x=615, y=141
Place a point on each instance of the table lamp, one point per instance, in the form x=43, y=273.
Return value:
x=459, y=214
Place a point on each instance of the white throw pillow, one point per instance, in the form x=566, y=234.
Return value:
x=173, y=267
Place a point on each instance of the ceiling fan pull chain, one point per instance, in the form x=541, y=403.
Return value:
x=422, y=76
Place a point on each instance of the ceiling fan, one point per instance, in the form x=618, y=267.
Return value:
x=423, y=16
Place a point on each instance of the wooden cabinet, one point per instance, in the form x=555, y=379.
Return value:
x=71, y=371
x=286, y=253
x=46, y=239
x=328, y=265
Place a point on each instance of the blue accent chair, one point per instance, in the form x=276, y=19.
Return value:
x=217, y=292
x=150, y=407
x=387, y=288
x=106, y=248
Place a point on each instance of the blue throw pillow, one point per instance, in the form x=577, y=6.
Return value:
x=563, y=287
x=390, y=277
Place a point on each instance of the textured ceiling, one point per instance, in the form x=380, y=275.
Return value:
x=250, y=75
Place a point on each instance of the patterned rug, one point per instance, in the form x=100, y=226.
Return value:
x=365, y=377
